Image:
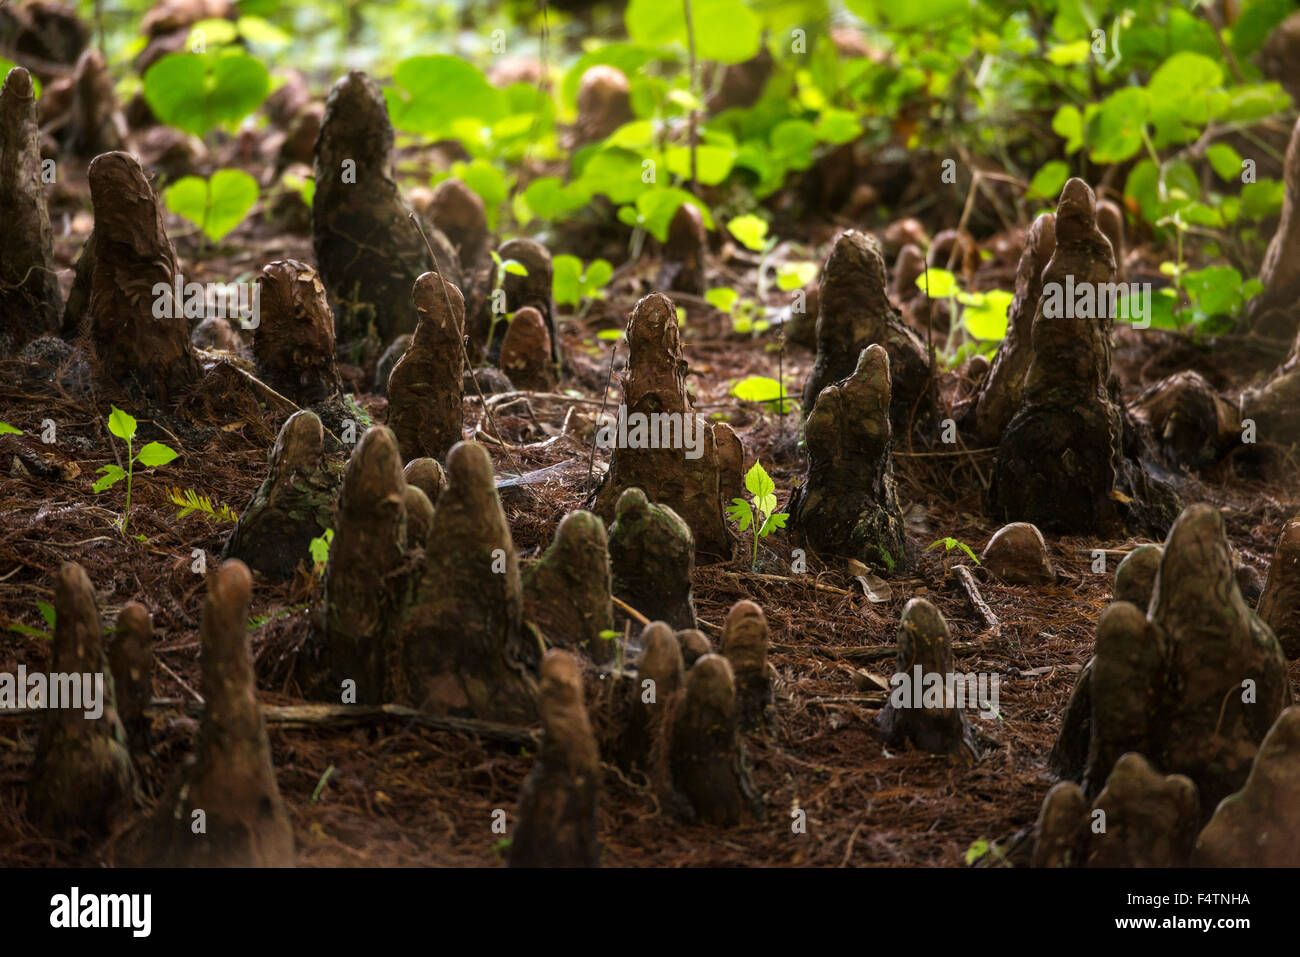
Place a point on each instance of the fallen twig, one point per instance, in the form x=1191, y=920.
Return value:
x=972, y=590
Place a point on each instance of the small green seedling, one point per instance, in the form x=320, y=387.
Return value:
x=504, y=267
x=614, y=636
x=573, y=284
x=760, y=510
x=948, y=545
x=215, y=205
x=320, y=785
x=980, y=848
x=320, y=551
x=47, y=612
x=154, y=453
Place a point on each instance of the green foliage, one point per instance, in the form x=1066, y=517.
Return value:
x=760, y=510
x=7, y=429
x=722, y=298
x=614, y=636
x=757, y=388
x=571, y=283
x=746, y=314
x=727, y=31
x=750, y=231
x=981, y=847
x=795, y=275
x=216, y=205
x=320, y=785
x=47, y=612
x=938, y=284
x=304, y=186
x=197, y=92
x=123, y=425
x=654, y=210
x=983, y=315
x=191, y=501
x=1198, y=300
x=485, y=178
x=7, y=65
x=430, y=94
x=357, y=411
x=320, y=551
x=1157, y=95
x=1049, y=180
x=550, y=199
x=951, y=543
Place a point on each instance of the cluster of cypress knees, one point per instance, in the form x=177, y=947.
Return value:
x=1178, y=730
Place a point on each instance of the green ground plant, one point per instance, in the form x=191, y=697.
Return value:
x=151, y=455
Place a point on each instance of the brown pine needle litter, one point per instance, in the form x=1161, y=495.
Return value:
x=390, y=792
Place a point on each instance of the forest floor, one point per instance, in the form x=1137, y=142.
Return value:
x=390, y=793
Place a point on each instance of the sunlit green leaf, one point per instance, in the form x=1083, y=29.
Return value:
x=197, y=92
x=155, y=453
x=750, y=230
x=121, y=424
x=110, y=475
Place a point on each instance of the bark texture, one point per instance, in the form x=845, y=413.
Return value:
x=1003, y=390
x=533, y=289
x=1191, y=424
x=526, y=352
x=660, y=675
x=847, y=505
x=655, y=383
x=558, y=823
x=82, y=109
x=293, y=505
x=30, y=301
x=1135, y=578
x=1061, y=833
x=1274, y=406
x=368, y=250
x=1150, y=818
x=230, y=777
x=130, y=255
x=293, y=344
x=706, y=756
x=82, y=778
x=685, y=253
x=1279, y=604
x=1194, y=684
x=131, y=659
x=1069, y=754
x=745, y=638
x=425, y=389
x=426, y=475
x=938, y=727
x=853, y=313
x=1058, y=460
x=695, y=645
x=364, y=593
x=462, y=648
x=1017, y=555
x=567, y=590
x=1259, y=826
x=459, y=214
x=604, y=104
x=1274, y=312
x=652, y=557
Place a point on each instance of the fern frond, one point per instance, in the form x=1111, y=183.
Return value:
x=191, y=501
